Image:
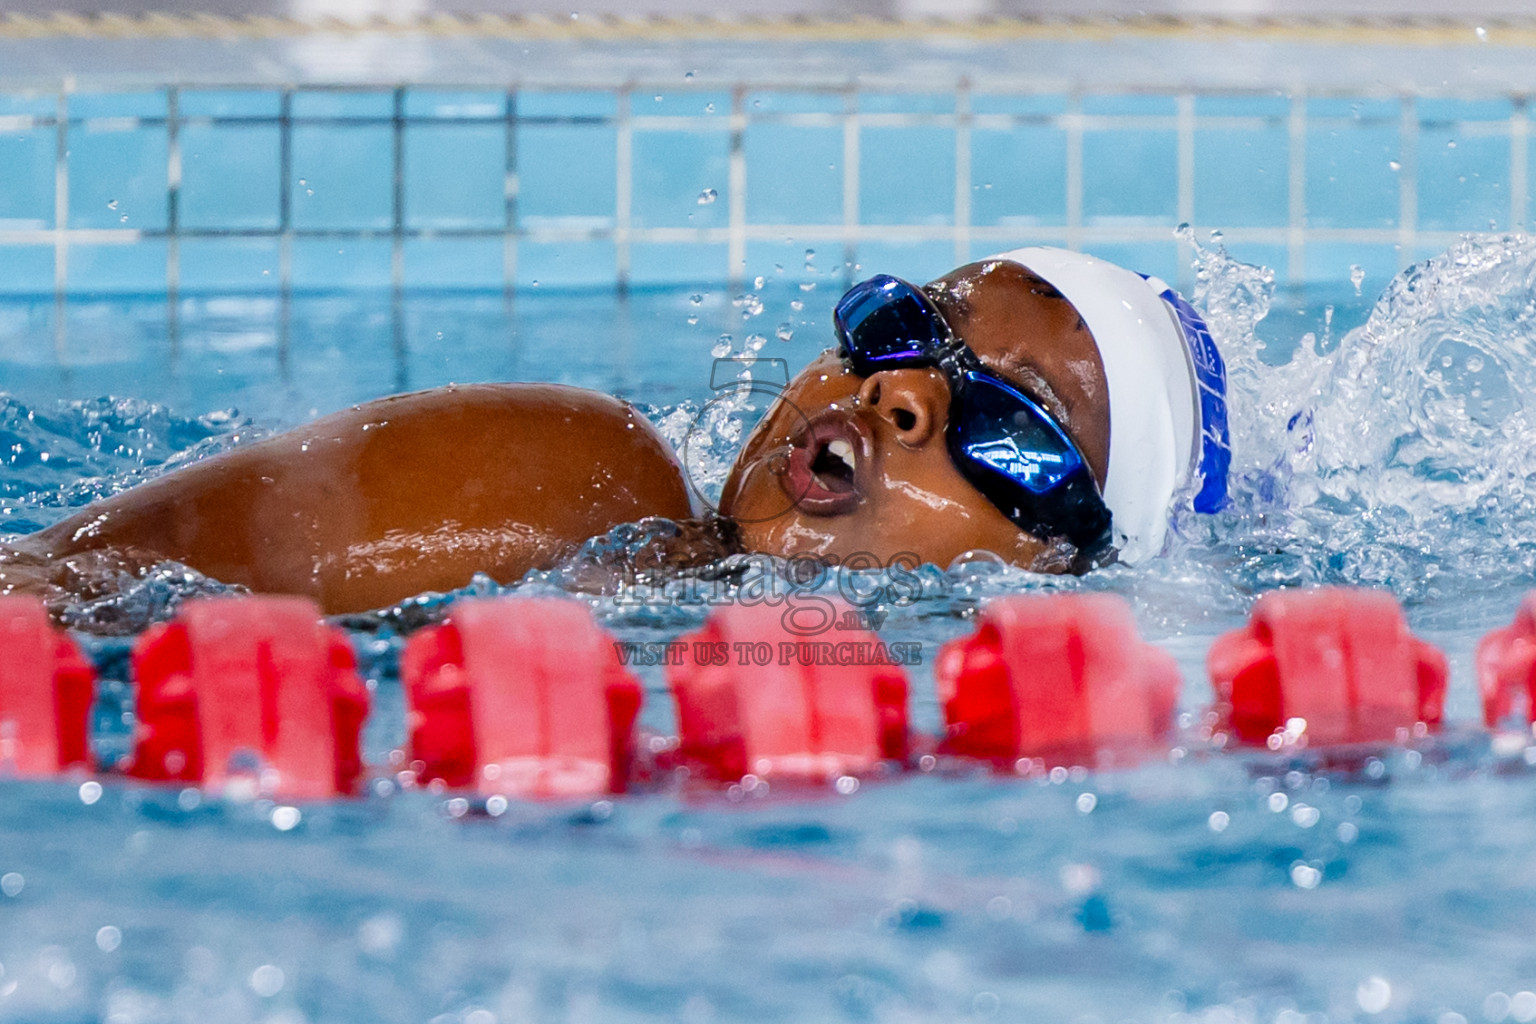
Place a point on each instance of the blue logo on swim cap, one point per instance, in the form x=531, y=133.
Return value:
x=1211, y=378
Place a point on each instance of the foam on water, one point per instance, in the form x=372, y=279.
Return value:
x=1400, y=458
x=57, y=459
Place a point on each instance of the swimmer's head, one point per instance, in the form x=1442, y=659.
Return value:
x=849, y=462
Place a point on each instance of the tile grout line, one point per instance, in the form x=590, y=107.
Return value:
x=1072, y=121
x=397, y=243
x=1519, y=163
x=851, y=172
x=1408, y=183
x=1296, y=195
x=736, y=248
x=511, y=185
x=963, y=172
x=285, y=223
x=61, y=223
x=173, y=221
x=623, y=201
x=1186, y=173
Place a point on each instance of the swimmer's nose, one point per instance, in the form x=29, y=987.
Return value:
x=912, y=402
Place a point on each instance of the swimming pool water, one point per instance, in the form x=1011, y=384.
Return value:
x=1215, y=887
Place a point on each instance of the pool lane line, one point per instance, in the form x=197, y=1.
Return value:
x=1407, y=31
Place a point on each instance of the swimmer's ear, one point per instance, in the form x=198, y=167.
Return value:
x=915, y=403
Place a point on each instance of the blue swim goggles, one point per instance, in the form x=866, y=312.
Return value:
x=1002, y=440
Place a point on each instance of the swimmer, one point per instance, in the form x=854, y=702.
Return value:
x=1041, y=404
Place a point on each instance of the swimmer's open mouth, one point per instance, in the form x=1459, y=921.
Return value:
x=827, y=461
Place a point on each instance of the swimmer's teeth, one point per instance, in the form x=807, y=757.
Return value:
x=843, y=450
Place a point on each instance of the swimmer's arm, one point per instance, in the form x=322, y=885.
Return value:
x=390, y=498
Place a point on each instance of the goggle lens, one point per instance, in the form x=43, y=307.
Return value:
x=1001, y=428
x=885, y=322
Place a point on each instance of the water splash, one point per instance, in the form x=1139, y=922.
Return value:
x=58, y=458
x=1402, y=458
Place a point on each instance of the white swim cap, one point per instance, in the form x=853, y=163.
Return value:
x=1167, y=393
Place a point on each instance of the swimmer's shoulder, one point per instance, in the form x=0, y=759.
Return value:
x=495, y=401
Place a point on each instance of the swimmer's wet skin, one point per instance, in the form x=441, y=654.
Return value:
x=395, y=497
x=974, y=413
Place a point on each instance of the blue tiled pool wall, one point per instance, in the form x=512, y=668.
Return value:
x=193, y=190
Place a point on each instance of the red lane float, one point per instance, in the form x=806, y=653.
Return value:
x=253, y=694
x=1327, y=666
x=45, y=692
x=755, y=697
x=1506, y=667
x=521, y=697
x=1063, y=677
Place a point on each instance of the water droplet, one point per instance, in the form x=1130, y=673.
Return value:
x=846, y=785
x=1305, y=876
x=1482, y=34
x=784, y=331
x=11, y=883
x=1277, y=802
x=709, y=108
x=688, y=76
x=722, y=347
x=1356, y=276
x=90, y=792
x=692, y=320
x=1374, y=994
x=755, y=342
x=696, y=299
x=1305, y=815
x=285, y=819
x=1394, y=165
x=807, y=286
x=108, y=938
x=708, y=196
x=112, y=204
x=1450, y=144
x=267, y=981
x=796, y=305
x=1086, y=802
x=1475, y=364
x=1218, y=821
x=758, y=282
x=123, y=219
